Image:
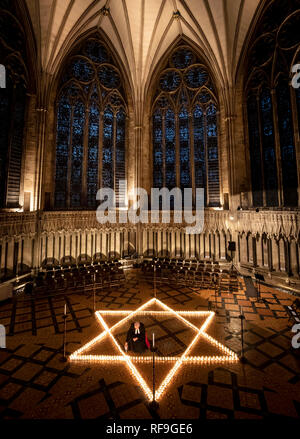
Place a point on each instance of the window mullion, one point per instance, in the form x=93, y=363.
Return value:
x=114, y=152
x=164, y=147
x=296, y=135
x=100, y=148
x=177, y=146
x=261, y=150
x=221, y=188
x=85, y=158
x=68, y=197
x=206, y=155
x=277, y=149
x=192, y=159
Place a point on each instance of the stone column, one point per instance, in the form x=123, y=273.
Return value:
x=259, y=251
x=67, y=246
x=223, y=245
x=26, y=252
x=159, y=242
x=275, y=253
x=282, y=259
x=294, y=258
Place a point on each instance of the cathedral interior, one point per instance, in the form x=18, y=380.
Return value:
x=127, y=94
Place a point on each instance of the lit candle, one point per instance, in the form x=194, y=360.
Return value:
x=153, y=339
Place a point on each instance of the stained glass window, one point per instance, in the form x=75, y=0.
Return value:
x=287, y=145
x=107, y=160
x=199, y=147
x=184, y=142
x=158, y=179
x=77, y=154
x=255, y=158
x=170, y=149
x=62, y=151
x=273, y=49
x=13, y=56
x=93, y=156
x=182, y=58
x=268, y=147
x=120, y=152
x=91, y=127
x=185, y=127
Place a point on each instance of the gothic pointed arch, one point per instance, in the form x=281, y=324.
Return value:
x=185, y=125
x=91, y=125
x=273, y=105
x=17, y=50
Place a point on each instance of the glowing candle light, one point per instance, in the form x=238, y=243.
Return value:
x=229, y=356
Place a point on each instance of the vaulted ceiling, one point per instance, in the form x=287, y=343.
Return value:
x=142, y=30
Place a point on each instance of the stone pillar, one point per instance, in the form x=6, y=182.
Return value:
x=265, y=251
x=42, y=249
x=30, y=171
x=143, y=241
x=294, y=258
x=50, y=246
x=275, y=253
x=55, y=250
x=176, y=237
x=217, y=246
x=73, y=254
x=186, y=244
x=67, y=246
x=223, y=245
x=282, y=258
x=26, y=252
x=165, y=241
x=270, y=254
x=192, y=245
x=259, y=251
x=102, y=243
x=200, y=246
x=159, y=243
x=41, y=130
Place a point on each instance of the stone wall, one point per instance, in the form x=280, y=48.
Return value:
x=267, y=241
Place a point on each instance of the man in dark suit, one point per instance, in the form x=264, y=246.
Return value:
x=136, y=339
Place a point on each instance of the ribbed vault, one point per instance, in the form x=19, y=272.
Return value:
x=142, y=30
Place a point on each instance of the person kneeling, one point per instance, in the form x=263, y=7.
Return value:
x=136, y=339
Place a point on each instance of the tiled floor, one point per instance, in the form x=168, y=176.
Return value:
x=34, y=383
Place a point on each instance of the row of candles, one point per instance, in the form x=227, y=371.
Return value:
x=229, y=356
x=204, y=359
